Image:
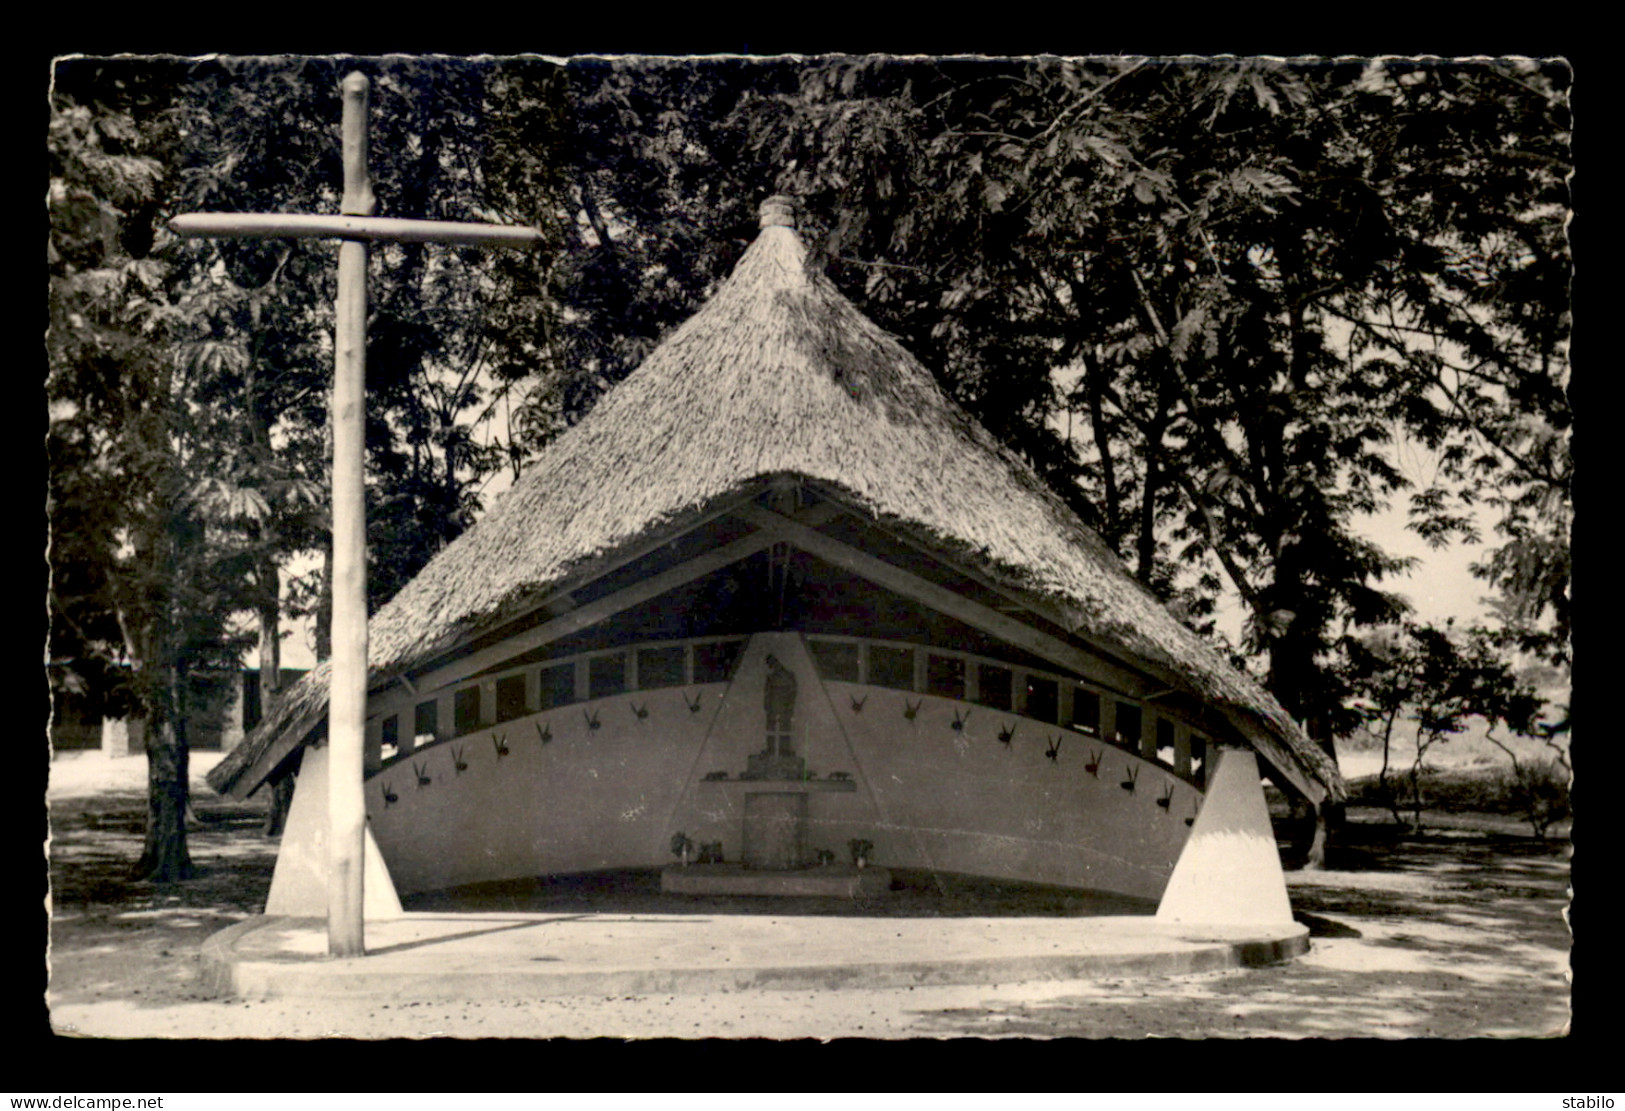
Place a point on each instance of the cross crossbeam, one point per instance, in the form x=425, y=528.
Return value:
x=355, y=226
x=286, y=225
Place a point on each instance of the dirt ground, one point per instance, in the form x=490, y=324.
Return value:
x=1461, y=933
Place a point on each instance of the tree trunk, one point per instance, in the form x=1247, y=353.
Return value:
x=1108, y=471
x=1147, y=543
x=1292, y=681
x=164, y=856
x=276, y=815
x=324, y=608
x=1383, y=786
x=1314, y=859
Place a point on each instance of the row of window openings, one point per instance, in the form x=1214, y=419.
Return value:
x=995, y=687
x=657, y=668
x=606, y=676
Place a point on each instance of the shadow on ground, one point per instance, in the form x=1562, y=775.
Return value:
x=1453, y=938
x=1454, y=935
x=914, y=894
x=116, y=937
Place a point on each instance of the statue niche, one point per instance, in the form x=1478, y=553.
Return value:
x=778, y=759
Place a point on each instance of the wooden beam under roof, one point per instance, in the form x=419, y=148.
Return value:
x=1014, y=601
x=393, y=700
x=901, y=581
x=561, y=600
x=586, y=615
x=1014, y=631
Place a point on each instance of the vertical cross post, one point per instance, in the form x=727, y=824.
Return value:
x=347, y=705
x=354, y=227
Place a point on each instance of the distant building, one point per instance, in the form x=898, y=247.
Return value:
x=226, y=705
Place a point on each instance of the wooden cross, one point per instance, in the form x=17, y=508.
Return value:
x=355, y=226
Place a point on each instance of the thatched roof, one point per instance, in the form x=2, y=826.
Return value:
x=778, y=374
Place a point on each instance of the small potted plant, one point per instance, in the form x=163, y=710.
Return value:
x=860, y=851
x=682, y=847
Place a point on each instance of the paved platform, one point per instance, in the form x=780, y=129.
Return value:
x=444, y=957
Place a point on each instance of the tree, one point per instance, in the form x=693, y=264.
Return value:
x=1473, y=314
x=262, y=136
x=1212, y=246
x=142, y=583
x=1436, y=678
x=188, y=444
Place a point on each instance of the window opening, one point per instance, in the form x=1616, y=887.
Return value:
x=425, y=723
x=994, y=686
x=714, y=663
x=466, y=710
x=1165, y=741
x=1086, y=711
x=891, y=667
x=945, y=676
x=606, y=675
x=557, y=686
x=1043, y=699
x=835, y=661
x=660, y=667
x=1127, y=730
x=511, y=698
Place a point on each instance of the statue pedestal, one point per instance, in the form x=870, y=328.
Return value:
x=775, y=830
x=775, y=810
x=773, y=765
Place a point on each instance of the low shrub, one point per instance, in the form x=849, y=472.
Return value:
x=1537, y=792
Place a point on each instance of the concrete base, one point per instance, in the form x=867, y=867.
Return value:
x=459, y=957
x=1230, y=870
x=299, y=884
x=836, y=881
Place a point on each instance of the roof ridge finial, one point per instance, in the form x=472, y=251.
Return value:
x=778, y=211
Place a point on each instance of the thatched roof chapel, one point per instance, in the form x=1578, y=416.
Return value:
x=780, y=382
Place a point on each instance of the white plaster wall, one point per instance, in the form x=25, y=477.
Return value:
x=963, y=801
x=587, y=799
x=927, y=795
